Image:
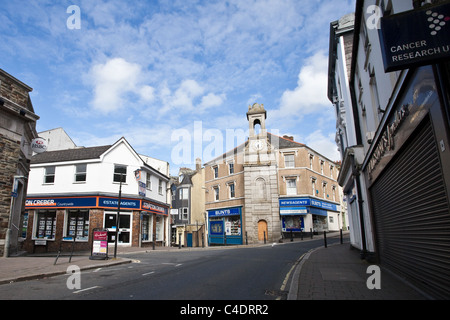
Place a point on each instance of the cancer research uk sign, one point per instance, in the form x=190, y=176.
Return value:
x=417, y=37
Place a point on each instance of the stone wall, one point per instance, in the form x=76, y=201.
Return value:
x=9, y=158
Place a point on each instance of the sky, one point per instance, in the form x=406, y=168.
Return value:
x=175, y=77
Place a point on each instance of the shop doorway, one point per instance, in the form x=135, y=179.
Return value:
x=262, y=230
x=124, y=234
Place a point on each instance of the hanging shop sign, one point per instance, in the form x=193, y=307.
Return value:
x=417, y=37
x=39, y=145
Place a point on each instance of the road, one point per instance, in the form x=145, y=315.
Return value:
x=243, y=273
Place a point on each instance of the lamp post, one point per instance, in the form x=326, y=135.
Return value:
x=118, y=215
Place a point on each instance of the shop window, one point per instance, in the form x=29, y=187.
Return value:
x=289, y=161
x=77, y=224
x=120, y=173
x=147, y=227
x=45, y=224
x=49, y=175
x=159, y=228
x=233, y=226
x=80, y=173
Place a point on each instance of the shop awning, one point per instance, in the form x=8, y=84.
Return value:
x=293, y=211
x=319, y=212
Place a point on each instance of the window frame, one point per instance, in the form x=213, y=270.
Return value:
x=85, y=224
x=119, y=174
x=232, y=190
x=37, y=224
x=76, y=174
x=291, y=190
x=291, y=162
x=49, y=175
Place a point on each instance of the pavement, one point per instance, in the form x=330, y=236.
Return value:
x=335, y=272
x=338, y=273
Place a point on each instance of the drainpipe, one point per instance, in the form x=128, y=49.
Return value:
x=357, y=174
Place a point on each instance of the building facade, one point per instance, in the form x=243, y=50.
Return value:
x=399, y=89
x=17, y=130
x=188, y=216
x=270, y=188
x=72, y=192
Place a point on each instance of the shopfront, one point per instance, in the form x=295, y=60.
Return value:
x=408, y=177
x=225, y=226
x=54, y=222
x=307, y=215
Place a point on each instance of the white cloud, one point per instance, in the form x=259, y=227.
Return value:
x=323, y=144
x=189, y=96
x=115, y=79
x=211, y=100
x=310, y=95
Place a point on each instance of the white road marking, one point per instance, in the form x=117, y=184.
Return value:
x=78, y=291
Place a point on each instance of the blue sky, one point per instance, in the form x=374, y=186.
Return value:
x=153, y=70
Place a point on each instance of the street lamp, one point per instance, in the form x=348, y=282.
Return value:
x=118, y=215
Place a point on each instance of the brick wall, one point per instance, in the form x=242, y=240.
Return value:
x=95, y=221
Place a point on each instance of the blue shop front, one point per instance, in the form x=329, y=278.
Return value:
x=225, y=226
x=307, y=214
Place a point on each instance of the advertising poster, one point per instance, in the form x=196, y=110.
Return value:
x=100, y=244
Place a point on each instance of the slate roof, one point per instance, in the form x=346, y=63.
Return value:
x=69, y=155
x=283, y=143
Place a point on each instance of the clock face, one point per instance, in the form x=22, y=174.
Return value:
x=258, y=145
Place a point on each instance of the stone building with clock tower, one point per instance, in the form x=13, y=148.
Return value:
x=262, y=217
x=269, y=188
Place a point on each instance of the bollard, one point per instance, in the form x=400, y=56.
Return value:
x=179, y=241
x=325, y=238
x=264, y=237
x=246, y=239
x=301, y=234
x=310, y=230
x=342, y=240
x=292, y=236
